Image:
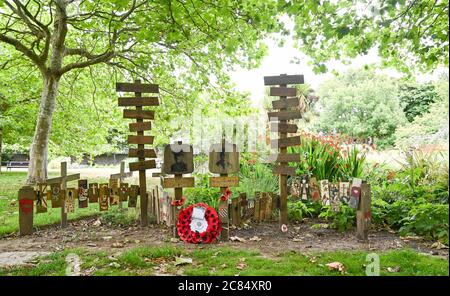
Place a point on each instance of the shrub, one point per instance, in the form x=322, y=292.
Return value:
x=256, y=177
x=341, y=220
x=297, y=210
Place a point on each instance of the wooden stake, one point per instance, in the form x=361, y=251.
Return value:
x=363, y=214
x=178, y=196
x=26, y=199
x=224, y=218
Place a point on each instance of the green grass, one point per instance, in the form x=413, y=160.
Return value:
x=225, y=261
x=10, y=183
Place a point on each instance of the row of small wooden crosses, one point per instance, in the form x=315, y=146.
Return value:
x=328, y=193
x=104, y=194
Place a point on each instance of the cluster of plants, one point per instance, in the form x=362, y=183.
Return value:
x=329, y=157
x=413, y=199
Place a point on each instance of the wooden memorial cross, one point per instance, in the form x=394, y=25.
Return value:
x=62, y=181
x=224, y=160
x=178, y=160
x=121, y=176
x=279, y=123
x=140, y=126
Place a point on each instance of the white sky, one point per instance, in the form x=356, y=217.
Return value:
x=280, y=61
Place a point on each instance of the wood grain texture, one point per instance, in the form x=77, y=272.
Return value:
x=179, y=182
x=26, y=199
x=363, y=214
x=283, y=170
x=284, y=115
x=147, y=101
x=284, y=79
x=140, y=126
x=286, y=103
x=138, y=114
x=226, y=181
x=285, y=142
x=283, y=127
x=137, y=87
x=140, y=139
x=283, y=91
x=142, y=165
x=286, y=157
x=142, y=153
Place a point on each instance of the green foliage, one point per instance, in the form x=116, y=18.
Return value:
x=361, y=104
x=297, y=210
x=408, y=35
x=327, y=157
x=256, y=177
x=427, y=220
x=416, y=99
x=431, y=125
x=341, y=220
x=119, y=217
x=414, y=200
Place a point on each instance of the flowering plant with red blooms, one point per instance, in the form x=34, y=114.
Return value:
x=226, y=195
x=211, y=233
x=179, y=202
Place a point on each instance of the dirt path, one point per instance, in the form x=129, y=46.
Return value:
x=267, y=239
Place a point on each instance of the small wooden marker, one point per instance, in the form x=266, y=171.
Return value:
x=26, y=201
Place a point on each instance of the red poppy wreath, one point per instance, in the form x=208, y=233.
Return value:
x=198, y=223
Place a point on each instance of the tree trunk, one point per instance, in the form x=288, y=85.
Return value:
x=37, y=170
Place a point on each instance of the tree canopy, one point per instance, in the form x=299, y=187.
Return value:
x=410, y=35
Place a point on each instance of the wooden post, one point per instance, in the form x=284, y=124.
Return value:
x=141, y=140
x=257, y=202
x=363, y=214
x=224, y=160
x=26, y=200
x=63, y=187
x=283, y=128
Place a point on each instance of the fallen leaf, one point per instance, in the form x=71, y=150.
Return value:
x=223, y=265
x=241, y=265
x=107, y=237
x=97, y=223
x=439, y=246
x=114, y=264
x=118, y=245
x=393, y=269
x=237, y=238
x=296, y=239
x=255, y=239
x=336, y=266
x=91, y=245
x=182, y=261
x=174, y=240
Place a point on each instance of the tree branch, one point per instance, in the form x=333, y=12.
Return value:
x=23, y=49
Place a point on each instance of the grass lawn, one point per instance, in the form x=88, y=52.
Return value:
x=10, y=183
x=226, y=261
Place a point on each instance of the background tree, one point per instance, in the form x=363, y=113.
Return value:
x=361, y=104
x=172, y=40
x=410, y=35
x=417, y=98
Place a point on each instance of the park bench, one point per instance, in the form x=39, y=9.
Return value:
x=17, y=164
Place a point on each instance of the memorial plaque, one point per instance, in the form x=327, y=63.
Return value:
x=325, y=192
x=178, y=159
x=334, y=196
x=123, y=192
x=41, y=203
x=69, y=204
x=83, y=193
x=103, y=197
x=57, y=195
x=133, y=194
x=224, y=159
x=179, y=182
x=304, y=187
x=94, y=192
x=344, y=192
x=114, y=198
x=284, y=79
x=355, y=193
x=314, y=189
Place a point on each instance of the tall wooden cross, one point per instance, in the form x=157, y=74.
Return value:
x=62, y=181
x=122, y=175
x=140, y=126
x=279, y=88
